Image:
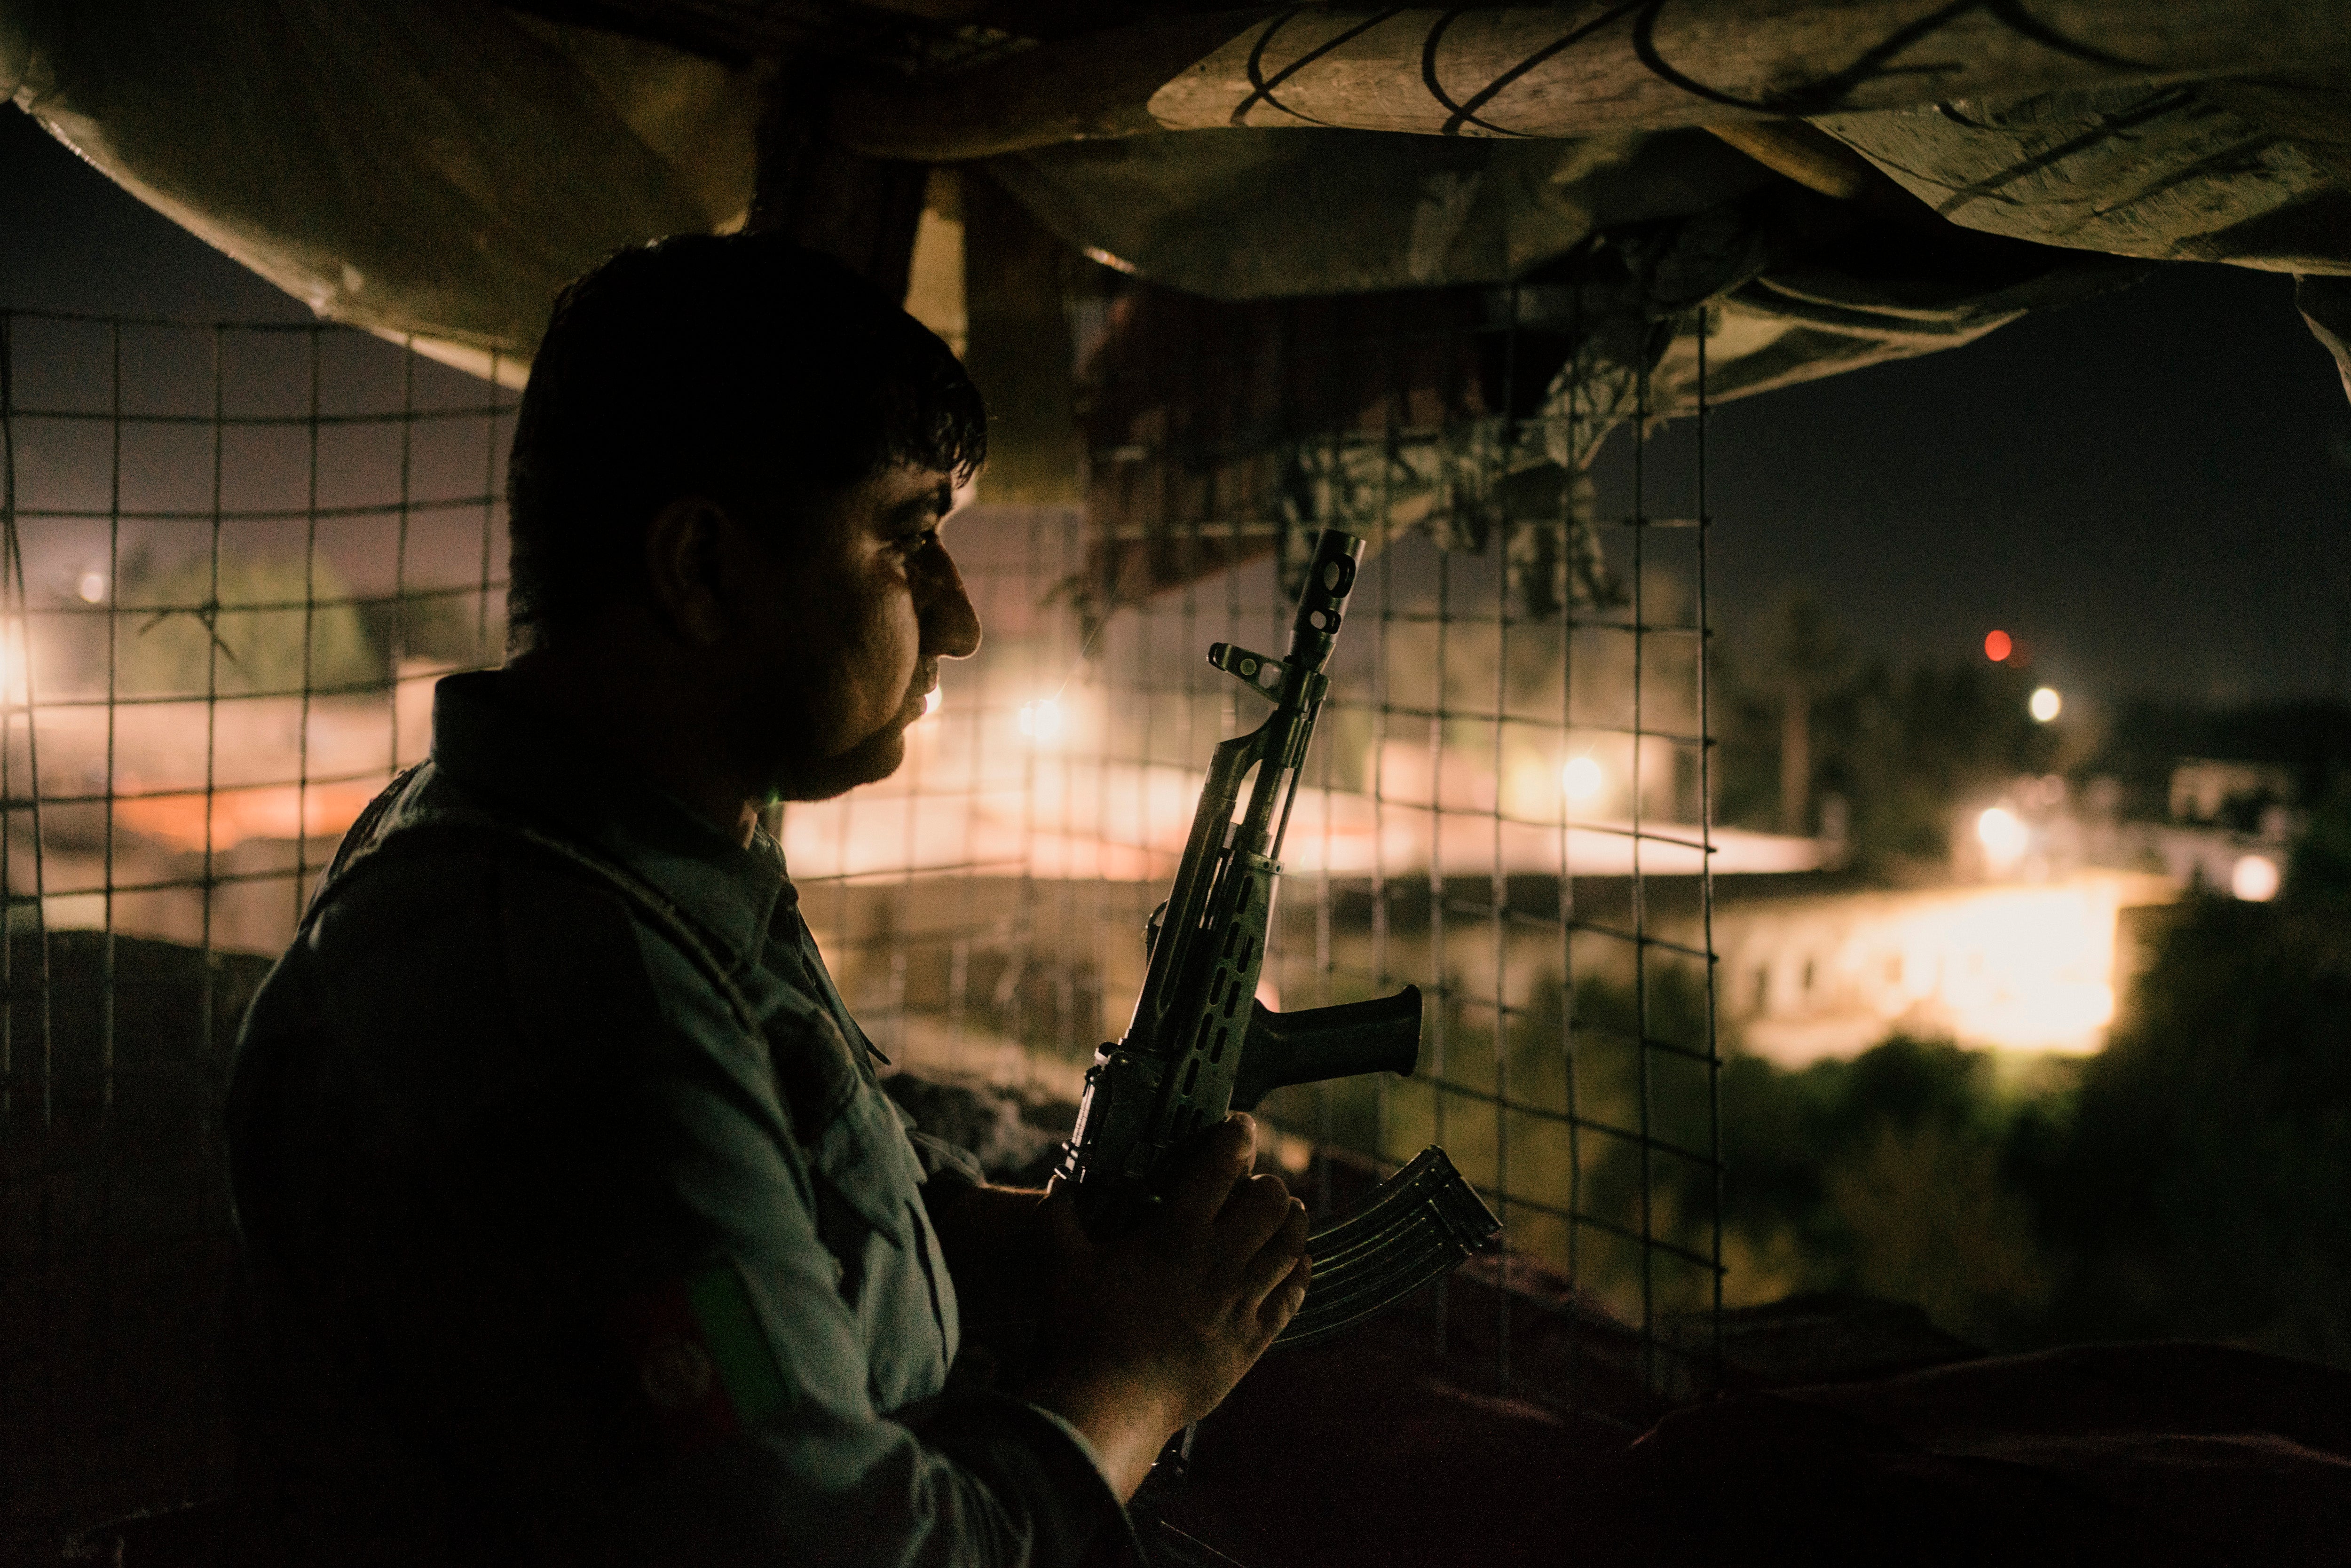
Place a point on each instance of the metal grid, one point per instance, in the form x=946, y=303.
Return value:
x=233, y=558
x=236, y=558
x=985, y=907
x=1511, y=787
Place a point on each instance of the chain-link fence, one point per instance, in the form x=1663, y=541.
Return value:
x=236, y=558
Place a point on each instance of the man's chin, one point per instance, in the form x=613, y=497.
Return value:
x=869, y=762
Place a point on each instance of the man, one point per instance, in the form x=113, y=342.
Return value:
x=580, y=1228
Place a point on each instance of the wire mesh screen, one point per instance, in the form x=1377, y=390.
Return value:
x=1507, y=802
x=235, y=558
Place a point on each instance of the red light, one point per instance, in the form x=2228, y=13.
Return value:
x=1997, y=646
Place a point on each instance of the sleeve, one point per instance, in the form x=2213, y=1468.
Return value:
x=949, y=1170
x=582, y=1136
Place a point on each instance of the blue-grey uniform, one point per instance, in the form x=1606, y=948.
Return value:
x=579, y=1226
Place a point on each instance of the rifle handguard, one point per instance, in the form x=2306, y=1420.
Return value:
x=1414, y=1228
x=1190, y=1053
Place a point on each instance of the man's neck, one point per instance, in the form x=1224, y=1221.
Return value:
x=633, y=705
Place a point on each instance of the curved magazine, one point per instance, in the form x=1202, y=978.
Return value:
x=1414, y=1228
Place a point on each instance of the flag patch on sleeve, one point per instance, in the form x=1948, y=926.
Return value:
x=698, y=1359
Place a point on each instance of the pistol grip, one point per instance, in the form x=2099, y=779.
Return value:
x=1315, y=1043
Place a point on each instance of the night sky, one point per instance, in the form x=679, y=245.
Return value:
x=2151, y=489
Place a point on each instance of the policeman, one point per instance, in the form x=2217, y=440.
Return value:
x=579, y=1228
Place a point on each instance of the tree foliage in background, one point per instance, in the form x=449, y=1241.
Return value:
x=1890, y=1175
x=2203, y=1188
x=243, y=632
x=2191, y=1181
x=2319, y=871
x=1905, y=745
x=451, y=630
x=1910, y=748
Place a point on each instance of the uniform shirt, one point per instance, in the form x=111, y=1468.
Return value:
x=553, y=1258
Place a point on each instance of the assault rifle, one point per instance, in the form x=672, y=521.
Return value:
x=1200, y=1043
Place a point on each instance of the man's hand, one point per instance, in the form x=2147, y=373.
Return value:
x=1148, y=1333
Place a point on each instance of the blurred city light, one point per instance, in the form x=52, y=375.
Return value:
x=1041, y=720
x=2003, y=836
x=1997, y=646
x=2254, y=879
x=1581, y=779
x=14, y=669
x=2045, y=703
x=91, y=587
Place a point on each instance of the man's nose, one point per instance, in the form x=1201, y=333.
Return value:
x=950, y=624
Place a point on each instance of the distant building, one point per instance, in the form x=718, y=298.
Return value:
x=2023, y=966
x=2021, y=950
x=2232, y=826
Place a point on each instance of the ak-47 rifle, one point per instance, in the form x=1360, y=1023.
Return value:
x=1201, y=1044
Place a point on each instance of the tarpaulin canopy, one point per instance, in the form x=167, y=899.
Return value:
x=1840, y=181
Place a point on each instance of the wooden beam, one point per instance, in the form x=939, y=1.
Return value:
x=1812, y=158
x=860, y=209
x=1819, y=162
x=1019, y=350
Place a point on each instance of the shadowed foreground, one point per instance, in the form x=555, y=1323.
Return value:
x=1847, y=1431
x=1361, y=1454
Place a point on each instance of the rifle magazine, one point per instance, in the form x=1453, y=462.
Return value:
x=1415, y=1227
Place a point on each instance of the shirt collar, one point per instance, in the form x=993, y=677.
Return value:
x=514, y=756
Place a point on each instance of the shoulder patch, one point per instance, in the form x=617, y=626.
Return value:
x=698, y=1359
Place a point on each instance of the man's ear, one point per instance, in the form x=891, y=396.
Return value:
x=684, y=560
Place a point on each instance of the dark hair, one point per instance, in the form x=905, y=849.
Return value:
x=740, y=366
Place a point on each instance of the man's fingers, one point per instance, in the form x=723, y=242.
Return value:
x=1288, y=1294
x=1259, y=1206
x=1277, y=1259
x=1221, y=1157
x=1066, y=1235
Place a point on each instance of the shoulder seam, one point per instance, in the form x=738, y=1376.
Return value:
x=674, y=924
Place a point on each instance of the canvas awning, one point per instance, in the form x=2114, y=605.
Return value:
x=1843, y=180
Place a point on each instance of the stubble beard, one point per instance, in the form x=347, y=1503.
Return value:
x=869, y=761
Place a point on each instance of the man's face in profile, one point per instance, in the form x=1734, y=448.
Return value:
x=851, y=610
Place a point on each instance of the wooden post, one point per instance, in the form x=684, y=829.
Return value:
x=861, y=210
x=1796, y=759
x=1019, y=350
